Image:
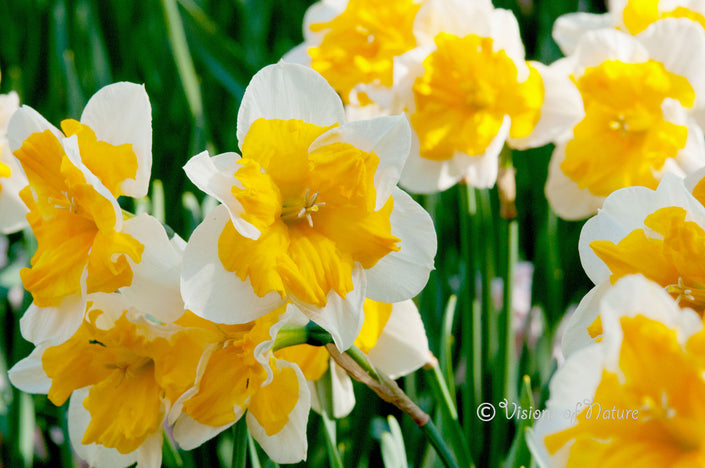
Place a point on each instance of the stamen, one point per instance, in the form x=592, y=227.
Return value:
x=300, y=211
x=693, y=296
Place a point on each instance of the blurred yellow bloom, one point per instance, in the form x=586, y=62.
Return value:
x=636, y=398
x=466, y=90
x=358, y=45
x=623, y=138
x=650, y=414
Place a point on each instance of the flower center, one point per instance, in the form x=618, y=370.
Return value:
x=297, y=211
x=688, y=296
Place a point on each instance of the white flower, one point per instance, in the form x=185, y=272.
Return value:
x=311, y=213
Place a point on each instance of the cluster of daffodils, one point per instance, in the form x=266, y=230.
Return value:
x=624, y=107
x=455, y=69
x=144, y=332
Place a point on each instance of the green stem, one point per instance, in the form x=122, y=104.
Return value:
x=239, y=459
x=311, y=334
x=436, y=440
x=460, y=446
x=334, y=458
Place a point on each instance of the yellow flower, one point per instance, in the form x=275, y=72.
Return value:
x=637, y=117
x=638, y=394
x=657, y=233
x=467, y=90
x=353, y=43
x=238, y=373
x=75, y=178
x=310, y=211
x=129, y=369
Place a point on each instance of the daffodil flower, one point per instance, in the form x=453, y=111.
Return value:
x=352, y=43
x=237, y=374
x=122, y=371
x=467, y=90
x=632, y=16
x=311, y=213
x=657, y=233
x=75, y=177
x=637, y=397
x=639, y=116
x=12, y=179
x=392, y=336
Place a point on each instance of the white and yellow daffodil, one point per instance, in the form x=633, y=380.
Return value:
x=636, y=398
x=631, y=16
x=238, y=373
x=657, y=233
x=123, y=372
x=393, y=338
x=352, y=43
x=311, y=213
x=12, y=179
x=639, y=116
x=467, y=90
x=75, y=178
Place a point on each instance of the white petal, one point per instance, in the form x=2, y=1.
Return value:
x=402, y=275
x=342, y=318
x=290, y=444
x=402, y=347
x=298, y=54
x=457, y=17
x=569, y=28
x=679, y=44
x=596, y=47
x=216, y=177
x=407, y=67
x=24, y=122
x=155, y=279
x=149, y=455
x=692, y=157
x=95, y=455
x=341, y=389
x=13, y=209
x=208, y=289
x=694, y=178
x=9, y=103
x=28, y=374
x=421, y=175
x=564, y=196
x=121, y=113
x=625, y=210
x=504, y=30
x=572, y=389
x=561, y=110
x=39, y=324
x=387, y=137
x=190, y=434
x=288, y=91
x=576, y=335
